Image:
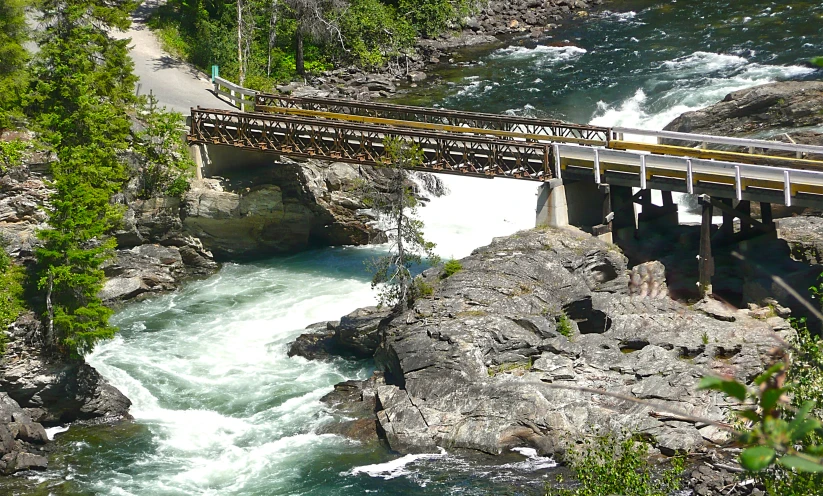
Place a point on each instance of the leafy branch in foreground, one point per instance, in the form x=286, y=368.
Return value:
x=780, y=433
x=397, y=206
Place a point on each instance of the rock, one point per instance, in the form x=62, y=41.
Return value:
x=789, y=104
x=17, y=461
x=648, y=280
x=354, y=404
x=318, y=345
x=417, y=76
x=142, y=269
x=283, y=209
x=18, y=437
x=483, y=367
x=804, y=234
x=359, y=331
x=57, y=391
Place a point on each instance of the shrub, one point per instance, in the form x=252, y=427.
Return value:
x=564, y=326
x=606, y=465
x=450, y=268
x=11, y=294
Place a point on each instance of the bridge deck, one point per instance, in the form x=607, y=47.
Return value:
x=505, y=146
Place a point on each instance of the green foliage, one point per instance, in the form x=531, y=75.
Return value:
x=397, y=208
x=11, y=154
x=564, y=326
x=818, y=61
x=422, y=289
x=82, y=87
x=509, y=367
x=785, y=436
x=11, y=294
x=374, y=32
x=432, y=17
x=13, y=59
x=165, y=163
x=606, y=465
x=450, y=268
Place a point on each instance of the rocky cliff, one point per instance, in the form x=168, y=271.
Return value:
x=762, y=111
x=497, y=357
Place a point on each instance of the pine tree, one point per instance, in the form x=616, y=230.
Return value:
x=83, y=88
x=13, y=58
x=397, y=208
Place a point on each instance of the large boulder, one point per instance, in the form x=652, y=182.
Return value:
x=284, y=208
x=502, y=353
x=54, y=390
x=784, y=105
x=21, y=439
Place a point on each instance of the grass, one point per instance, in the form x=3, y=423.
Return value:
x=564, y=326
x=510, y=367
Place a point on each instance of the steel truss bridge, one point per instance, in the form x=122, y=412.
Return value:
x=491, y=145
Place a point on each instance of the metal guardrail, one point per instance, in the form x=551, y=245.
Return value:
x=362, y=143
x=690, y=172
x=618, y=133
x=267, y=102
x=240, y=97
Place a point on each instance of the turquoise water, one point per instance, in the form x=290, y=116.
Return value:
x=220, y=409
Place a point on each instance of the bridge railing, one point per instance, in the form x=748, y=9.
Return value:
x=705, y=141
x=240, y=97
x=691, y=175
x=265, y=102
x=362, y=143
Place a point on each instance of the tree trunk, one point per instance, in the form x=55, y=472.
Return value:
x=298, y=53
x=241, y=73
x=49, y=341
x=272, y=35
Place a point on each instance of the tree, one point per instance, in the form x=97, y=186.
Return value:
x=164, y=159
x=312, y=19
x=83, y=87
x=397, y=207
x=13, y=58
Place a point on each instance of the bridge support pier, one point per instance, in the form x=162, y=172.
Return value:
x=656, y=216
x=578, y=203
x=200, y=156
x=705, y=260
x=552, y=208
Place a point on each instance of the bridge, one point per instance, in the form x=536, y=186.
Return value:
x=587, y=172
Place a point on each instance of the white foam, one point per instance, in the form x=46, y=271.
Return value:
x=53, y=431
x=394, y=468
x=541, y=55
x=533, y=462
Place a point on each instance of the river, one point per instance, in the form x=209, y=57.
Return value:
x=220, y=409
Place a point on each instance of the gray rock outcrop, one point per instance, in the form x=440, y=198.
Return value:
x=776, y=106
x=22, y=441
x=53, y=390
x=499, y=355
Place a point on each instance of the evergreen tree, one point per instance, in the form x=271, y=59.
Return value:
x=397, y=208
x=13, y=58
x=83, y=85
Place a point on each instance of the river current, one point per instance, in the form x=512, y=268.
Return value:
x=221, y=410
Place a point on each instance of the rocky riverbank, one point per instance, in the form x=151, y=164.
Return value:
x=498, y=356
x=496, y=20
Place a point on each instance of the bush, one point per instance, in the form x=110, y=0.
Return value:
x=11, y=294
x=450, y=268
x=564, y=326
x=165, y=164
x=606, y=465
x=375, y=32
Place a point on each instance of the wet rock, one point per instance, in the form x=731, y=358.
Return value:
x=359, y=331
x=783, y=105
x=482, y=366
x=57, y=391
x=354, y=404
x=21, y=439
x=283, y=209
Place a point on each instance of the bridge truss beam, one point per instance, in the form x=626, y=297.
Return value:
x=361, y=143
